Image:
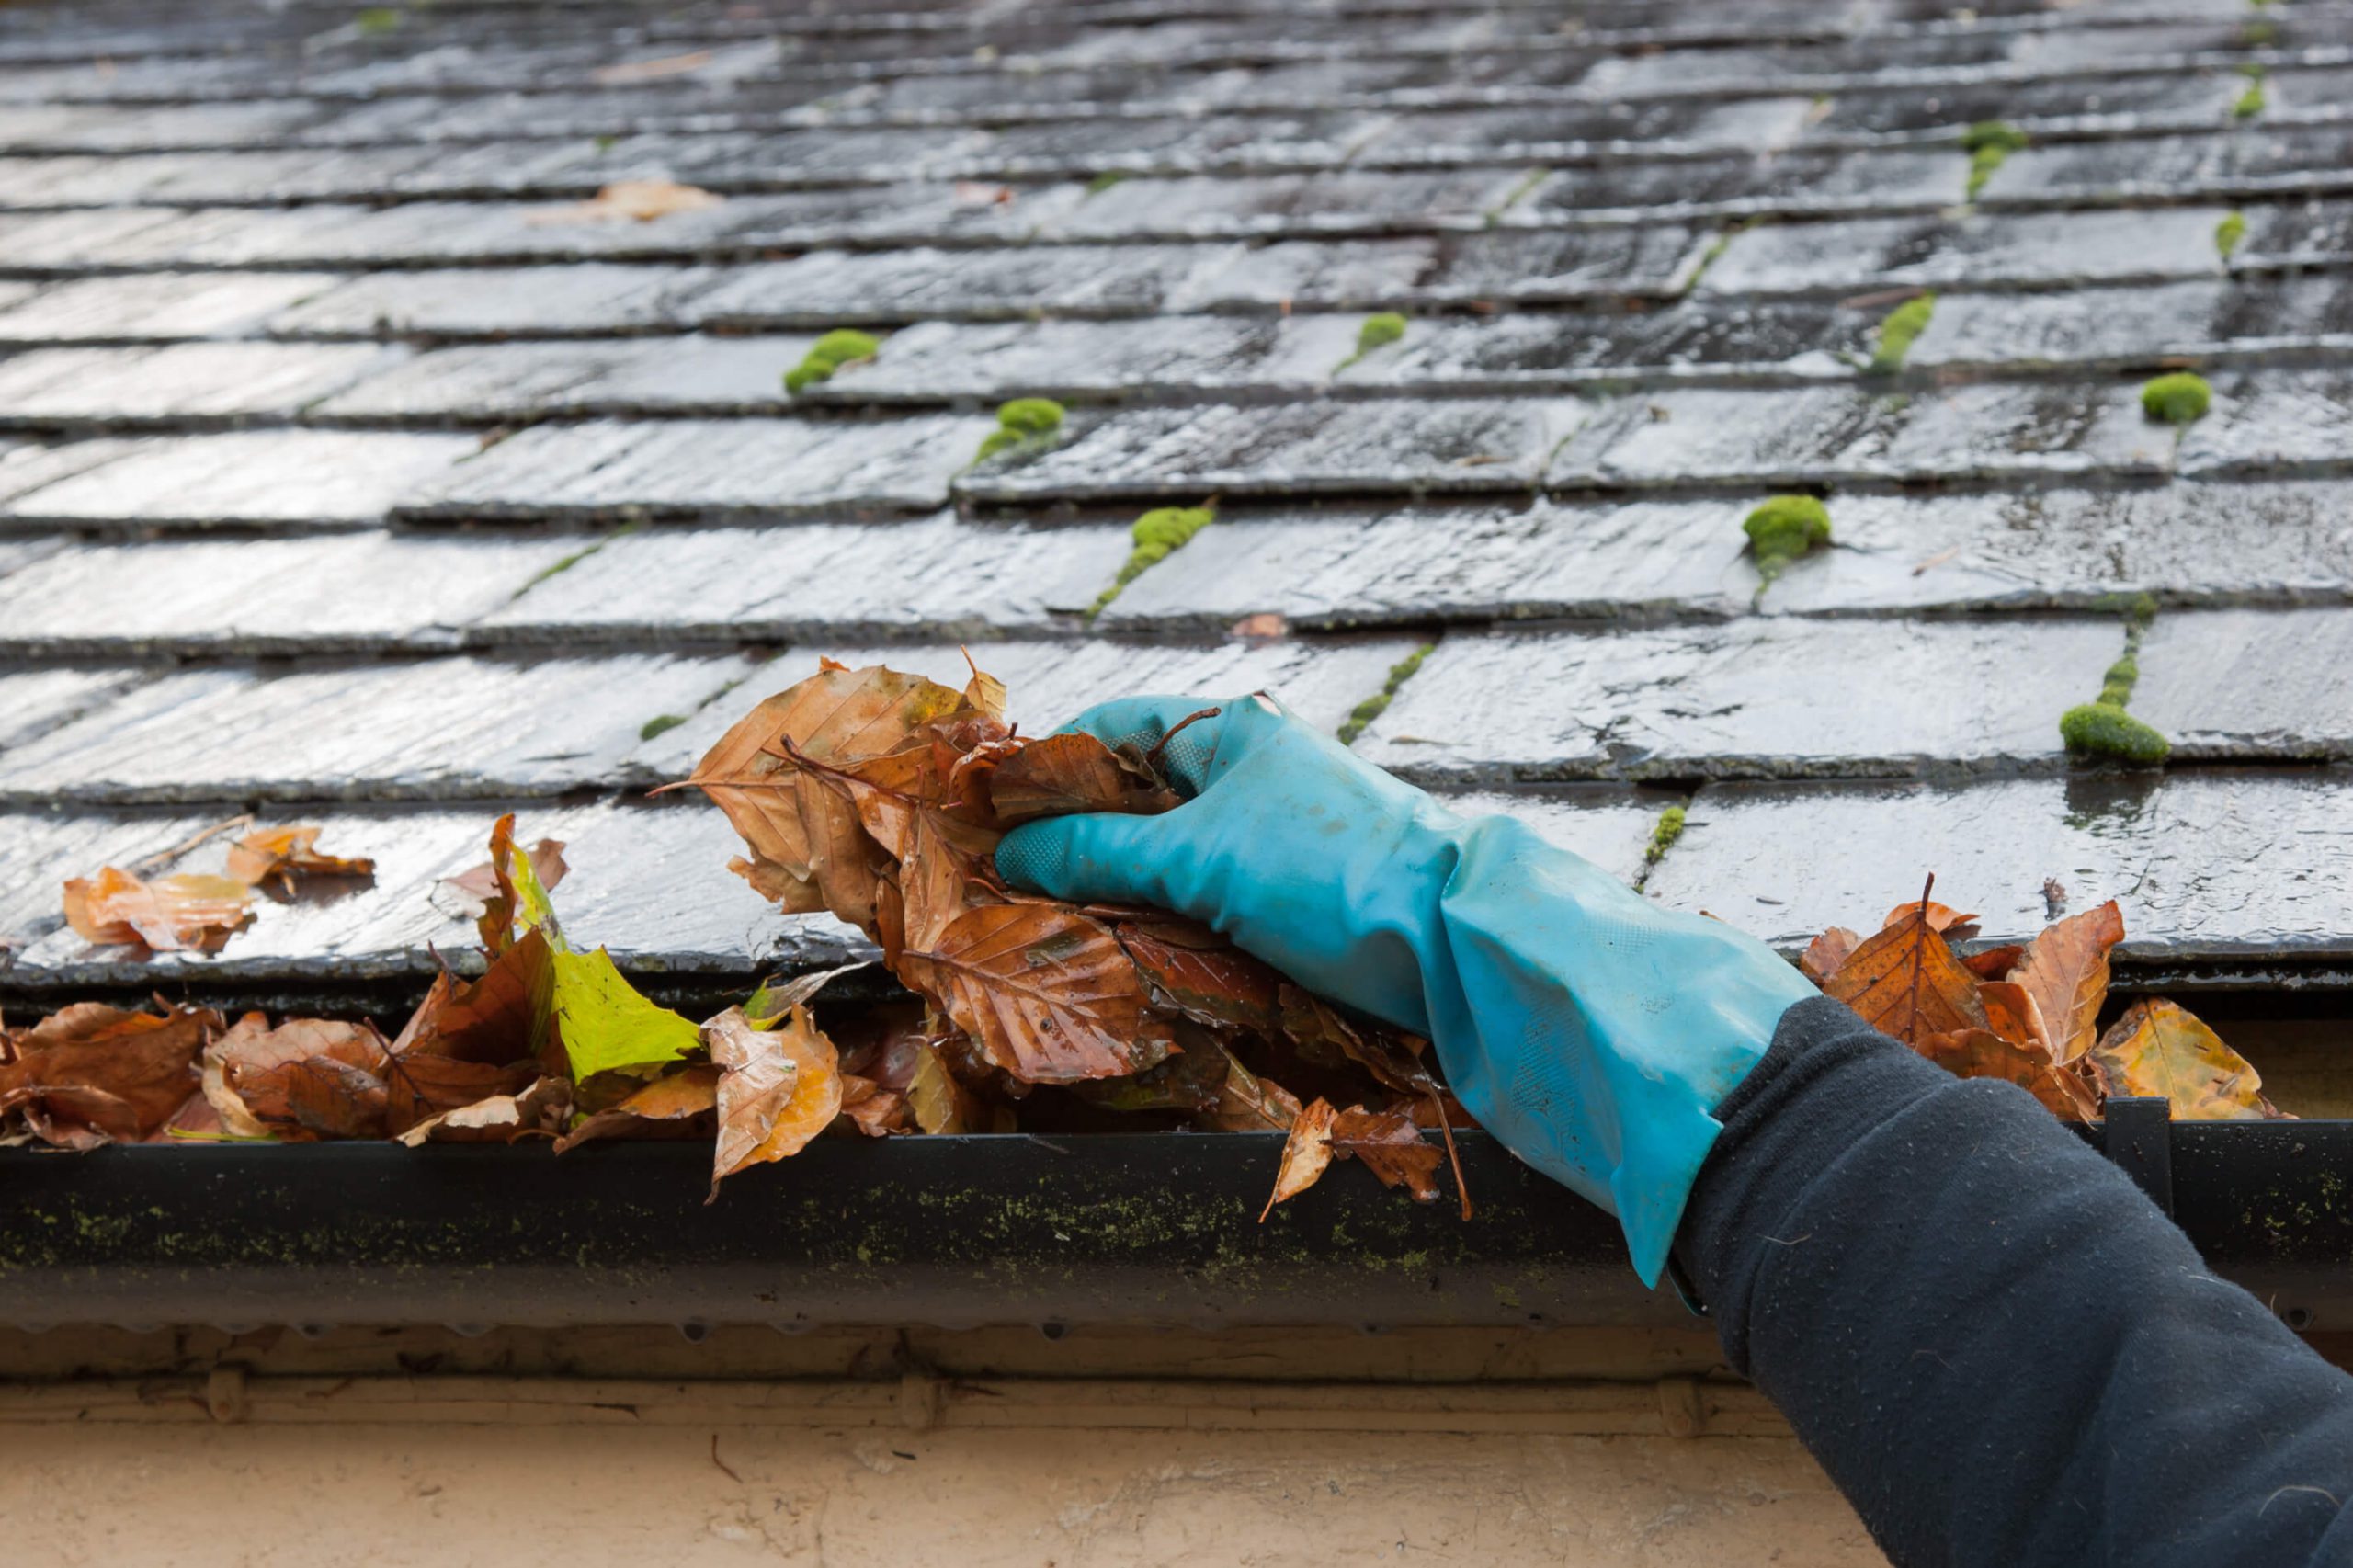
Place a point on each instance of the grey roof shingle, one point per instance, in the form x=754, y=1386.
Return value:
x=344, y=471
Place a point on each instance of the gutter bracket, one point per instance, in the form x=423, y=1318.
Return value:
x=2138, y=1136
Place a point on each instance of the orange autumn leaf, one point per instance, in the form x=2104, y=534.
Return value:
x=777, y=1089
x=1306, y=1157
x=1049, y=995
x=1062, y=774
x=1904, y=980
x=284, y=855
x=176, y=914
x=668, y=1107
x=1390, y=1142
x=89, y=1074
x=1982, y=1053
x=1943, y=919
x=1827, y=953
x=306, y=1079
x=632, y=200
x=2160, y=1048
x=2065, y=968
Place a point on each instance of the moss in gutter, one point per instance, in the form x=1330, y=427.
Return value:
x=1989, y=144
x=2179, y=397
x=1158, y=535
x=1378, y=330
x=842, y=346
x=1373, y=707
x=1896, y=332
x=2228, y=232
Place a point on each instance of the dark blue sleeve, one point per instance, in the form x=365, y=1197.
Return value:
x=2002, y=1353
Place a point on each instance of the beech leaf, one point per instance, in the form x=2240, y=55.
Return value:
x=1982, y=1053
x=2161, y=1048
x=628, y=201
x=777, y=1089
x=1306, y=1155
x=2065, y=970
x=1828, y=952
x=182, y=912
x=306, y=1079
x=285, y=855
x=1391, y=1144
x=90, y=1073
x=1049, y=995
x=1904, y=980
x=1062, y=774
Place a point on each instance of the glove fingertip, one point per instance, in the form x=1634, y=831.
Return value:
x=1076, y=857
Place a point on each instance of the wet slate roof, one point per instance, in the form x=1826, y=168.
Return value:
x=345, y=476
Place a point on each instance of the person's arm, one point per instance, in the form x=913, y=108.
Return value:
x=1998, y=1348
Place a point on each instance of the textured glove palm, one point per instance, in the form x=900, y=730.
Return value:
x=1590, y=1030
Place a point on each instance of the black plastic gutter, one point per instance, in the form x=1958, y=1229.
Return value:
x=1130, y=1229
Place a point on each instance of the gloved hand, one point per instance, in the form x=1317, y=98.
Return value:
x=1590, y=1030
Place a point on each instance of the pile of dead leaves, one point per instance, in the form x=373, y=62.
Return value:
x=874, y=795
x=2030, y=1014
x=881, y=798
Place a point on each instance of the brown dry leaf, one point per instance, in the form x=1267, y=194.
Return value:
x=2012, y=1012
x=2065, y=967
x=1392, y=1056
x=1248, y=1103
x=90, y=1073
x=284, y=855
x=1825, y=954
x=1306, y=1155
x=980, y=193
x=540, y=1109
x=875, y=1111
x=1049, y=995
x=473, y=1040
x=668, y=1107
x=984, y=692
x=1982, y=1053
x=628, y=201
x=1264, y=627
x=1943, y=919
x=1194, y=972
x=1062, y=774
x=1904, y=980
x=2160, y=1048
x=1994, y=963
x=306, y=1079
x=1391, y=1145
x=777, y=1089
x=936, y=1100
x=484, y=894
x=176, y=913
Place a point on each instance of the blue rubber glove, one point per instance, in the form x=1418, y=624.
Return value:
x=1590, y=1030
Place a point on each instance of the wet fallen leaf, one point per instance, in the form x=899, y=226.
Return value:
x=1049, y=996
x=1904, y=980
x=1994, y=963
x=1062, y=774
x=502, y=1119
x=1982, y=1053
x=174, y=914
x=599, y=1019
x=306, y=1079
x=1248, y=1103
x=632, y=200
x=1391, y=1145
x=1828, y=952
x=89, y=1074
x=485, y=895
x=2160, y=1048
x=777, y=1089
x=668, y=1107
x=285, y=855
x=1943, y=919
x=1306, y=1155
x=1196, y=973
x=2065, y=970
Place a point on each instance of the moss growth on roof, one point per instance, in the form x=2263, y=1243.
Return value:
x=1373, y=707
x=1896, y=332
x=661, y=724
x=1662, y=835
x=1104, y=181
x=2103, y=729
x=1023, y=422
x=1989, y=144
x=843, y=346
x=378, y=20
x=2251, y=102
x=1157, y=536
x=1781, y=529
x=1378, y=330
x=2228, y=232
x=2180, y=398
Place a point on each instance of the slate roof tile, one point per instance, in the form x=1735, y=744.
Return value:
x=514, y=500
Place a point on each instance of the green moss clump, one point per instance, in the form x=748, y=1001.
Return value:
x=1030, y=416
x=1158, y=535
x=1373, y=707
x=2105, y=730
x=2251, y=102
x=378, y=20
x=843, y=346
x=1781, y=529
x=1989, y=144
x=1378, y=330
x=661, y=725
x=1903, y=324
x=2228, y=232
x=1104, y=182
x=2180, y=398
x=2116, y=685
x=1662, y=836
x=1023, y=422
